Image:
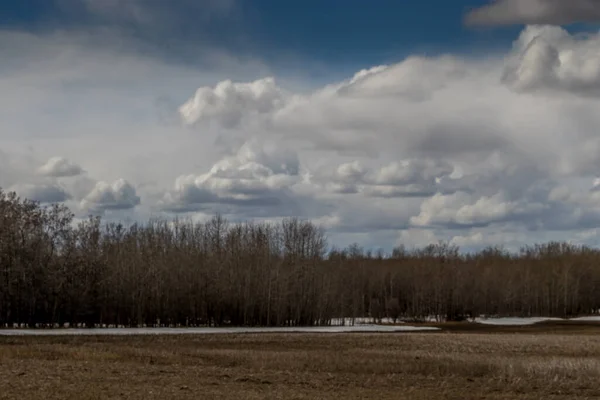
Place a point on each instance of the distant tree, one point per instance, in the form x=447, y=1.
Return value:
x=392, y=306
x=184, y=273
x=376, y=310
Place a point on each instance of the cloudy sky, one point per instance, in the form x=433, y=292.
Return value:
x=387, y=122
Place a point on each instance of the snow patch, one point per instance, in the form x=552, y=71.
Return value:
x=363, y=321
x=514, y=321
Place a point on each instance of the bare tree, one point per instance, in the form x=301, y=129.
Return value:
x=181, y=273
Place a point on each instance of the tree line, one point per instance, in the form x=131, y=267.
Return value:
x=181, y=273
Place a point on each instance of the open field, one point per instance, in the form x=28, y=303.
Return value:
x=529, y=362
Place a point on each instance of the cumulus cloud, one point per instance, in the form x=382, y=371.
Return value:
x=475, y=239
x=60, y=167
x=229, y=102
x=441, y=147
x=411, y=171
x=404, y=79
x=258, y=175
x=346, y=178
x=346, y=119
x=549, y=58
x=490, y=150
x=551, y=12
x=405, y=178
x=120, y=195
x=461, y=209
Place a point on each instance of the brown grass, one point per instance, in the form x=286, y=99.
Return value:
x=459, y=365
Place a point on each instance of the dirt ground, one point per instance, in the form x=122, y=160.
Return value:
x=465, y=361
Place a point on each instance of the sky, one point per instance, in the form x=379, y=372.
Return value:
x=387, y=123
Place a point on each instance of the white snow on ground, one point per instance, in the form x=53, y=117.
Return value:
x=361, y=325
x=514, y=321
x=178, y=331
x=362, y=321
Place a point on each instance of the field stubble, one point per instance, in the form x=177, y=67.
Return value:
x=475, y=365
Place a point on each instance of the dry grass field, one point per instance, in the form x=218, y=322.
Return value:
x=546, y=361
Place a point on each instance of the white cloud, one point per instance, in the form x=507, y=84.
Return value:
x=120, y=195
x=228, y=102
x=351, y=172
x=482, y=142
x=259, y=175
x=406, y=178
x=60, y=167
x=462, y=209
x=346, y=178
x=468, y=150
x=404, y=80
x=86, y=99
x=549, y=58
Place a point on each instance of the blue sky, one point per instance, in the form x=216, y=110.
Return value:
x=386, y=122
x=348, y=32
x=380, y=30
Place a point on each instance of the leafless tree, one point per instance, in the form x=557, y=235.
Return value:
x=181, y=273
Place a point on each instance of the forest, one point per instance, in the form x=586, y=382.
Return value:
x=55, y=272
